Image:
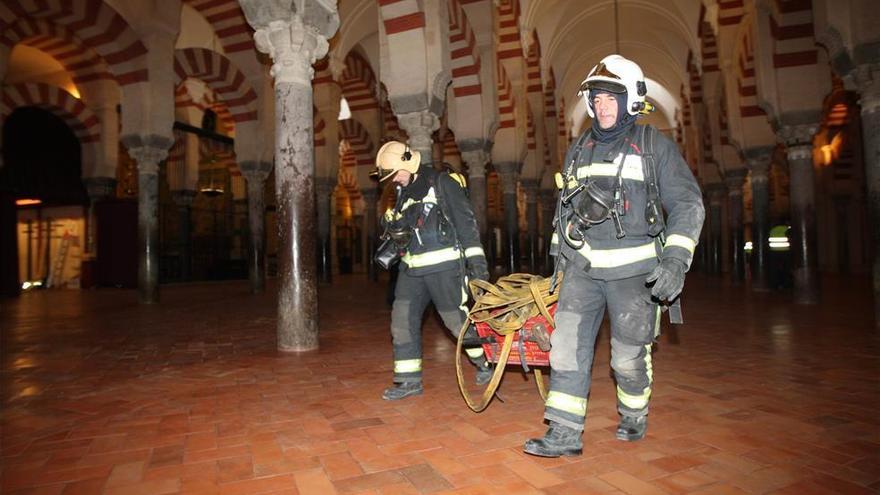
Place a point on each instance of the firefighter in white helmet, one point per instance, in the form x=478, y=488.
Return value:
x=434, y=226
x=616, y=250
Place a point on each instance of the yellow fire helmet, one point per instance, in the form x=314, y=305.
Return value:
x=394, y=156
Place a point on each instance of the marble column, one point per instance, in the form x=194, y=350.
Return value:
x=183, y=198
x=867, y=78
x=716, y=192
x=798, y=141
x=420, y=126
x=148, y=158
x=509, y=174
x=255, y=174
x=758, y=161
x=294, y=35
x=324, y=187
x=371, y=222
x=734, y=179
x=476, y=161
x=548, y=209
x=530, y=186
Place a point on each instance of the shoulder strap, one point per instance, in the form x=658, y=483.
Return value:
x=648, y=163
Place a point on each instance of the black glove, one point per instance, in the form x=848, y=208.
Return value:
x=478, y=270
x=668, y=278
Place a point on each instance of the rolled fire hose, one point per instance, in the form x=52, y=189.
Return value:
x=505, y=307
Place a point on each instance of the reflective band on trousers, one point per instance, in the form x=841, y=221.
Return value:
x=431, y=257
x=474, y=251
x=408, y=366
x=681, y=241
x=567, y=403
x=612, y=258
x=639, y=401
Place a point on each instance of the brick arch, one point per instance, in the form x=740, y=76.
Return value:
x=83, y=63
x=359, y=140
x=359, y=83
x=347, y=176
x=82, y=121
x=182, y=99
x=228, y=21
x=93, y=23
x=465, y=58
x=221, y=75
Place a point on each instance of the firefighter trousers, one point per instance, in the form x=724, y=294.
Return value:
x=634, y=319
x=411, y=297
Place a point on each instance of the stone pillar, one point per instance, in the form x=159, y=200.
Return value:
x=148, y=158
x=530, y=186
x=420, y=126
x=98, y=188
x=758, y=161
x=734, y=180
x=371, y=221
x=294, y=34
x=867, y=77
x=716, y=194
x=798, y=141
x=183, y=198
x=548, y=209
x=255, y=174
x=509, y=174
x=476, y=161
x=324, y=187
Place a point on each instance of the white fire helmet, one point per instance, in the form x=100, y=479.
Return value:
x=616, y=74
x=394, y=156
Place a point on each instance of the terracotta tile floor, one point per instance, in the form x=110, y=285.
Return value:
x=101, y=395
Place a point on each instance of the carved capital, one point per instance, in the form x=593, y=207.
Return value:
x=148, y=158
x=255, y=170
x=530, y=187
x=476, y=161
x=867, y=80
x=734, y=180
x=509, y=174
x=716, y=192
x=294, y=46
x=798, y=135
x=420, y=126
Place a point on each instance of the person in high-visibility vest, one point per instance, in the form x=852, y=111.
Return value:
x=434, y=224
x=615, y=250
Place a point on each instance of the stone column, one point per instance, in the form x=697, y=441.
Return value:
x=148, y=158
x=798, y=141
x=255, y=174
x=324, y=187
x=530, y=186
x=758, y=161
x=476, y=161
x=183, y=198
x=509, y=174
x=548, y=209
x=420, y=126
x=371, y=221
x=716, y=194
x=294, y=34
x=734, y=180
x=867, y=77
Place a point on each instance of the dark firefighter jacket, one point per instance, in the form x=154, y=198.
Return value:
x=444, y=230
x=610, y=258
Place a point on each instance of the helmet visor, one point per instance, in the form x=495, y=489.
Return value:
x=384, y=173
x=601, y=85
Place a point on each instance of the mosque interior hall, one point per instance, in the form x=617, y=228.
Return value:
x=189, y=217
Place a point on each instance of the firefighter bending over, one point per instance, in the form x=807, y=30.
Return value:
x=615, y=251
x=434, y=227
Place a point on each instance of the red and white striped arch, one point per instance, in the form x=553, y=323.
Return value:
x=746, y=85
x=182, y=99
x=533, y=66
x=791, y=26
x=83, y=63
x=465, y=58
x=506, y=103
x=82, y=121
x=93, y=23
x=392, y=127
x=730, y=12
x=221, y=76
x=708, y=43
x=531, y=143
x=359, y=83
x=228, y=21
x=508, y=36
x=359, y=141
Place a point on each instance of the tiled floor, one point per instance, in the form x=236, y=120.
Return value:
x=101, y=395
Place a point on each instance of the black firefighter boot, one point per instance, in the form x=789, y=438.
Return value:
x=632, y=428
x=402, y=390
x=558, y=441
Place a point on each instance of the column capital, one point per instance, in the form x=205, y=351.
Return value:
x=758, y=161
x=255, y=170
x=148, y=158
x=99, y=187
x=867, y=79
x=716, y=192
x=509, y=173
x=530, y=187
x=370, y=194
x=294, y=46
x=476, y=161
x=183, y=197
x=734, y=179
x=420, y=126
